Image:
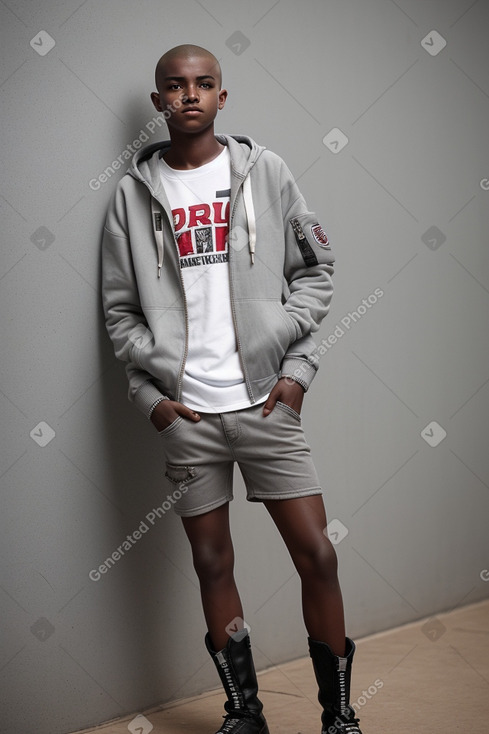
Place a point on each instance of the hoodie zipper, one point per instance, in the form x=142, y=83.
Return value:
x=233, y=305
x=185, y=353
x=185, y=304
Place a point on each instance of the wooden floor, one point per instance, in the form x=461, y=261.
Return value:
x=427, y=677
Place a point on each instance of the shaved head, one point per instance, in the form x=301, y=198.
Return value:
x=188, y=80
x=187, y=51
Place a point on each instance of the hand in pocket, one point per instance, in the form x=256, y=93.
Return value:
x=167, y=411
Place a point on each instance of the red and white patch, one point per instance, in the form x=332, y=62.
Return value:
x=319, y=235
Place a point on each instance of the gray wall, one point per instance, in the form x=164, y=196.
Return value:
x=406, y=206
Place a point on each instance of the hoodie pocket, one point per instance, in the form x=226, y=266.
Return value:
x=290, y=322
x=265, y=331
x=141, y=338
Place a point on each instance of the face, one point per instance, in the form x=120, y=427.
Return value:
x=188, y=90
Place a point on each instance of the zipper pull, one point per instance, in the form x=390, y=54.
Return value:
x=297, y=229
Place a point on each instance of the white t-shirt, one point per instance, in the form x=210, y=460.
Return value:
x=199, y=198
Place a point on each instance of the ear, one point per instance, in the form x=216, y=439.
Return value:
x=222, y=98
x=155, y=98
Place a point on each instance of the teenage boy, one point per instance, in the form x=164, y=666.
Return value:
x=214, y=276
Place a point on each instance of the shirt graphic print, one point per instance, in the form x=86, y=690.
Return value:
x=202, y=231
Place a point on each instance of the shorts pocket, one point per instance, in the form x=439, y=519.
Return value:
x=179, y=474
x=172, y=427
x=290, y=411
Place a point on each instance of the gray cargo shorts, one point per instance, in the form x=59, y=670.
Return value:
x=271, y=452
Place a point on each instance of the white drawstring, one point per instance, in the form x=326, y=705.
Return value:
x=250, y=216
x=158, y=231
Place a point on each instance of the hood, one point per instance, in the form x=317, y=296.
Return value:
x=244, y=153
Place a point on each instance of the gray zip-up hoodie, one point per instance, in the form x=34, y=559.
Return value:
x=280, y=266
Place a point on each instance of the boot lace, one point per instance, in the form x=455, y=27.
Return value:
x=232, y=721
x=348, y=727
x=352, y=727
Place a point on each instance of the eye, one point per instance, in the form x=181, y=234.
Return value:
x=206, y=85
x=174, y=86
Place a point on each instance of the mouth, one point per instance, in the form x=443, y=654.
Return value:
x=192, y=110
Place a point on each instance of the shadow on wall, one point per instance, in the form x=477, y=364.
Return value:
x=135, y=585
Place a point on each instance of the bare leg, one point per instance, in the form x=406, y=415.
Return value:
x=301, y=523
x=213, y=556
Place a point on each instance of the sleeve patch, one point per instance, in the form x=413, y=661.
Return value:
x=319, y=235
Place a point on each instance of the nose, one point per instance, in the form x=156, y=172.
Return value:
x=191, y=95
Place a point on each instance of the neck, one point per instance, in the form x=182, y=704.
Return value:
x=191, y=151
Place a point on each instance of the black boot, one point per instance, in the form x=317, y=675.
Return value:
x=333, y=676
x=236, y=670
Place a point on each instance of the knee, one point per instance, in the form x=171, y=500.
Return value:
x=213, y=564
x=318, y=560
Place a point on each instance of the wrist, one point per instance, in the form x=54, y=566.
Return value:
x=154, y=404
x=298, y=380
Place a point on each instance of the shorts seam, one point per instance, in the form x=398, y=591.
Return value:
x=240, y=432
x=204, y=508
x=306, y=492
